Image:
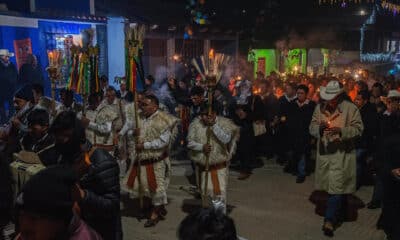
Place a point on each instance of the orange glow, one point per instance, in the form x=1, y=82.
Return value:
x=211, y=54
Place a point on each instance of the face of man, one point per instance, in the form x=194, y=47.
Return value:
x=147, y=82
x=110, y=96
x=197, y=100
x=290, y=91
x=240, y=113
x=301, y=95
x=122, y=87
x=66, y=144
x=103, y=84
x=359, y=101
x=376, y=92
x=393, y=105
x=5, y=59
x=148, y=107
x=33, y=227
x=19, y=103
x=37, y=131
x=333, y=103
x=36, y=96
x=263, y=89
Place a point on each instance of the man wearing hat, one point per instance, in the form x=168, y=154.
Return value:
x=8, y=81
x=219, y=150
x=389, y=122
x=12, y=132
x=336, y=123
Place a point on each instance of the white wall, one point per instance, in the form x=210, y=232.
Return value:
x=116, y=49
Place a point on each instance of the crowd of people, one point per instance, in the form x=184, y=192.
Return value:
x=344, y=129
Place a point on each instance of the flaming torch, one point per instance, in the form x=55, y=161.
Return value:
x=53, y=70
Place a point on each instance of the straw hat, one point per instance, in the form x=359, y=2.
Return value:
x=331, y=90
x=5, y=52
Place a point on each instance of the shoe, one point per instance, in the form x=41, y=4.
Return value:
x=151, y=222
x=374, y=205
x=162, y=212
x=328, y=229
x=244, y=176
x=300, y=179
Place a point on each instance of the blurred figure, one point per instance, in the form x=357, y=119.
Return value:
x=98, y=189
x=8, y=80
x=207, y=224
x=388, y=126
x=6, y=196
x=103, y=84
x=245, y=153
x=285, y=145
x=30, y=72
x=366, y=144
x=45, y=208
x=124, y=93
x=376, y=97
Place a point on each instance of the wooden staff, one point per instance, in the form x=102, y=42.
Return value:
x=137, y=152
x=211, y=81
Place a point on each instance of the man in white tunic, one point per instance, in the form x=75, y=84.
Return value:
x=223, y=136
x=156, y=132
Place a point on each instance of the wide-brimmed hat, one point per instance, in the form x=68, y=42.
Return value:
x=5, y=52
x=331, y=90
x=393, y=94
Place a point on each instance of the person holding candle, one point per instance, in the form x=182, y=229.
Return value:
x=336, y=124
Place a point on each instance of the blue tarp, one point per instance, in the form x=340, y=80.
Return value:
x=42, y=38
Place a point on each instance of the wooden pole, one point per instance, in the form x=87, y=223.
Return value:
x=137, y=152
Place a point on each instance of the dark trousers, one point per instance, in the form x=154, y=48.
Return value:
x=246, y=153
x=361, y=157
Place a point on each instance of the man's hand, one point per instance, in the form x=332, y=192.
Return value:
x=16, y=122
x=322, y=128
x=396, y=172
x=206, y=149
x=136, y=132
x=78, y=193
x=85, y=122
x=334, y=131
x=139, y=146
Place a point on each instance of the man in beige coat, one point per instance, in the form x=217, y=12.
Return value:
x=336, y=123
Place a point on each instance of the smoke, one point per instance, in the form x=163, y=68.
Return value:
x=313, y=38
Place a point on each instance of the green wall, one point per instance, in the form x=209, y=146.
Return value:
x=270, y=60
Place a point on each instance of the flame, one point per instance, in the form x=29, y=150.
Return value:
x=211, y=54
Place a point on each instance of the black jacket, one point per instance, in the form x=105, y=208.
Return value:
x=299, y=119
x=30, y=75
x=101, y=206
x=369, y=117
x=8, y=81
x=271, y=107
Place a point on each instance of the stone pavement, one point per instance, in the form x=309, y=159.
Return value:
x=267, y=206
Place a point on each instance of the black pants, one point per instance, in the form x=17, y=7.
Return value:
x=245, y=153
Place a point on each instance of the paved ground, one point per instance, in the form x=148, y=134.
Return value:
x=269, y=205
